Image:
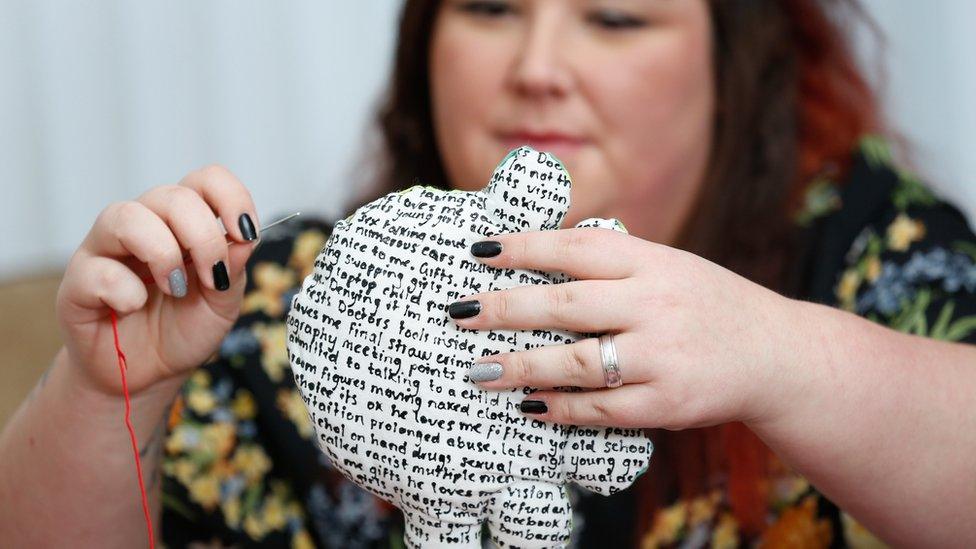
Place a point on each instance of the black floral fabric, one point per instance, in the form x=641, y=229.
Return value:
x=241, y=469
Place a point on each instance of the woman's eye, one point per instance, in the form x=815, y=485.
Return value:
x=615, y=20
x=488, y=8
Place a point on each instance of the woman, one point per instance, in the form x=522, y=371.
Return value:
x=727, y=135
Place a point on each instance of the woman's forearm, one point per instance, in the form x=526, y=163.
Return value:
x=67, y=473
x=882, y=423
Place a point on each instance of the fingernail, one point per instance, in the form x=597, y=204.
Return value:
x=177, y=283
x=247, y=227
x=221, y=280
x=533, y=407
x=487, y=371
x=486, y=248
x=464, y=309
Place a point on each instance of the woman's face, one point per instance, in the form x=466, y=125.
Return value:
x=620, y=90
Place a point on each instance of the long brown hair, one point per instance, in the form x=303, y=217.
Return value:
x=791, y=103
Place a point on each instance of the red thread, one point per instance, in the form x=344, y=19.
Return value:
x=128, y=423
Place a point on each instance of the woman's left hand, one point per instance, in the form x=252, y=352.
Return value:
x=697, y=345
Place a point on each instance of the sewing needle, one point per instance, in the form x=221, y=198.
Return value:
x=187, y=259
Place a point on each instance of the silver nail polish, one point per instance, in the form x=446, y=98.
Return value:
x=488, y=371
x=177, y=283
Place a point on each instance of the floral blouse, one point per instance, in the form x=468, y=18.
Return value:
x=240, y=466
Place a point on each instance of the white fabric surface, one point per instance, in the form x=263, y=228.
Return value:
x=382, y=368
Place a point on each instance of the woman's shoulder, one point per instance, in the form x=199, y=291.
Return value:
x=888, y=247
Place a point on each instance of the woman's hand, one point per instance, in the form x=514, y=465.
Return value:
x=695, y=342
x=172, y=315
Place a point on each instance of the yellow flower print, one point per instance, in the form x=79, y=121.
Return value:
x=200, y=378
x=847, y=288
x=274, y=514
x=274, y=353
x=182, y=469
x=302, y=540
x=182, y=439
x=232, y=511
x=290, y=403
x=667, y=525
x=255, y=527
x=306, y=248
x=201, y=401
x=244, y=406
x=294, y=509
x=872, y=269
x=252, y=461
x=219, y=438
x=222, y=468
x=205, y=490
x=702, y=508
x=726, y=533
x=271, y=281
x=903, y=231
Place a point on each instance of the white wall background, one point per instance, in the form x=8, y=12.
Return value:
x=930, y=88
x=102, y=99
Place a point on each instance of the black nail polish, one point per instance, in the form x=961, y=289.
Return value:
x=247, y=227
x=533, y=407
x=221, y=280
x=486, y=248
x=464, y=309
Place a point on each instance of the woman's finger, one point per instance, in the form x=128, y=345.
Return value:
x=579, y=306
x=196, y=228
x=588, y=252
x=624, y=406
x=577, y=364
x=228, y=198
x=130, y=228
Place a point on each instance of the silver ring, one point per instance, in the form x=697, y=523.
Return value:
x=611, y=367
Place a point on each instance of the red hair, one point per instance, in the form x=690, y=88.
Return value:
x=836, y=105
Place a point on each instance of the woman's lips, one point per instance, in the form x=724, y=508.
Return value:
x=561, y=145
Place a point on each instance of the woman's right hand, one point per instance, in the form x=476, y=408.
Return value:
x=172, y=315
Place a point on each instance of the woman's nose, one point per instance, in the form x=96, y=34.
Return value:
x=539, y=70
